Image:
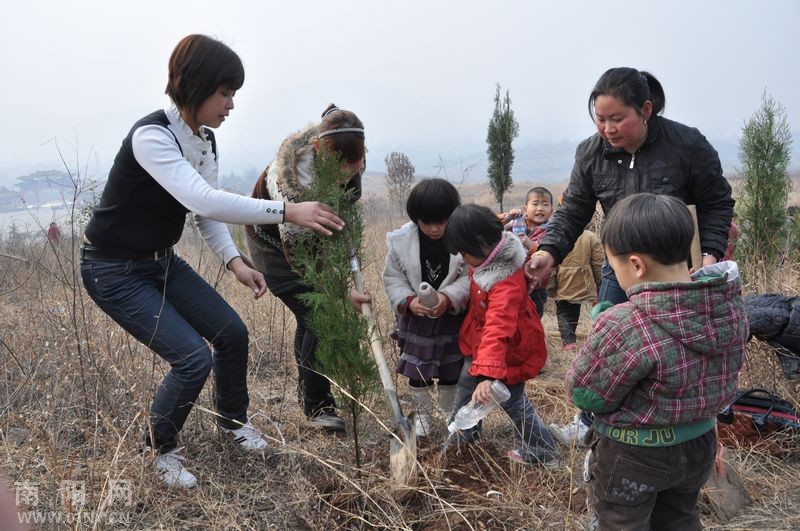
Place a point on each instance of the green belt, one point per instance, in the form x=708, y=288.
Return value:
x=656, y=436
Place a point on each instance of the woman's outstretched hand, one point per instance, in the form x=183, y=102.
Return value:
x=539, y=268
x=314, y=215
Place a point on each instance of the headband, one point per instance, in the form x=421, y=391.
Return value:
x=341, y=130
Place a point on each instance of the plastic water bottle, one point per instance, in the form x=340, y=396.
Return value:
x=469, y=415
x=519, y=226
x=427, y=295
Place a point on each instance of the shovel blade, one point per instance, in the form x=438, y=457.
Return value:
x=726, y=492
x=403, y=455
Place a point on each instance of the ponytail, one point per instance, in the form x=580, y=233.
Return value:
x=631, y=87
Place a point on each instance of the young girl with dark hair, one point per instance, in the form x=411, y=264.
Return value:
x=167, y=167
x=501, y=337
x=287, y=178
x=634, y=150
x=427, y=335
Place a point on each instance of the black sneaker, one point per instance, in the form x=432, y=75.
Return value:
x=328, y=420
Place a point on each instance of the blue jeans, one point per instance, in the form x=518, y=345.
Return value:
x=610, y=290
x=531, y=437
x=167, y=306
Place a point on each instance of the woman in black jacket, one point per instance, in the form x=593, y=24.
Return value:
x=634, y=150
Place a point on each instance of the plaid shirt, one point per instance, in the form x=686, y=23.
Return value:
x=671, y=355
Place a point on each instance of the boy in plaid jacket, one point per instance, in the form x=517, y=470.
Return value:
x=656, y=370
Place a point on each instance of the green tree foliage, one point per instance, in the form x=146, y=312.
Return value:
x=765, y=152
x=399, y=178
x=324, y=265
x=503, y=129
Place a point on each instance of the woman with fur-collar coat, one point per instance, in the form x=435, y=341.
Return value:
x=286, y=179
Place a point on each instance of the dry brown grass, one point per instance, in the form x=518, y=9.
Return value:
x=74, y=393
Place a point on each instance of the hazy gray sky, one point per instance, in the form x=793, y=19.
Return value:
x=420, y=74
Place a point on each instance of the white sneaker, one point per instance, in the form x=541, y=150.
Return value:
x=546, y=460
x=422, y=424
x=169, y=467
x=247, y=437
x=572, y=433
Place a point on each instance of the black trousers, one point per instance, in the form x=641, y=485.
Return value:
x=285, y=284
x=632, y=487
x=568, y=314
x=539, y=298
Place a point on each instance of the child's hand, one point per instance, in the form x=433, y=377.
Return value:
x=441, y=306
x=417, y=308
x=358, y=298
x=514, y=213
x=526, y=242
x=483, y=392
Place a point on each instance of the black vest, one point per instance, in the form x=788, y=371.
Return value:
x=135, y=213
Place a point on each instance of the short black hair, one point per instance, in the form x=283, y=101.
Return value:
x=432, y=200
x=198, y=66
x=472, y=229
x=538, y=190
x=659, y=226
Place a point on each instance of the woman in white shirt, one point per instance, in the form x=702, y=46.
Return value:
x=165, y=168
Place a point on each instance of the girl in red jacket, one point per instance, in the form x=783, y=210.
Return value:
x=502, y=337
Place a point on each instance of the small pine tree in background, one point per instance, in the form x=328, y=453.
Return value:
x=765, y=152
x=503, y=129
x=324, y=265
x=399, y=178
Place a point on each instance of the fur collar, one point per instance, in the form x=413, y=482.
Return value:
x=292, y=171
x=291, y=174
x=505, y=263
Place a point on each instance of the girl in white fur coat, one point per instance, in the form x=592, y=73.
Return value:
x=427, y=336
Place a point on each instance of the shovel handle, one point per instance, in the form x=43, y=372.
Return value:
x=376, y=346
